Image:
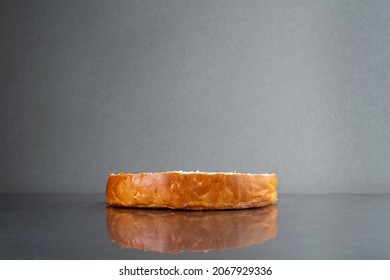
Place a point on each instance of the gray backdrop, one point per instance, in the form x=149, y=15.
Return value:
x=301, y=88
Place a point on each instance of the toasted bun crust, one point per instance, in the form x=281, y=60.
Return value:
x=170, y=231
x=191, y=190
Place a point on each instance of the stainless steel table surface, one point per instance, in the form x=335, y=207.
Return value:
x=306, y=226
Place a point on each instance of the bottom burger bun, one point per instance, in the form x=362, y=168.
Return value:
x=191, y=190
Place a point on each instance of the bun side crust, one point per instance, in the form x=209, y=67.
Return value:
x=193, y=191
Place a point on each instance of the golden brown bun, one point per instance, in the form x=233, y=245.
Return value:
x=171, y=231
x=191, y=190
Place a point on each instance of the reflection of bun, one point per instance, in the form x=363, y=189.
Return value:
x=170, y=231
x=191, y=190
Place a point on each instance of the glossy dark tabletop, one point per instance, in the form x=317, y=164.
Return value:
x=80, y=226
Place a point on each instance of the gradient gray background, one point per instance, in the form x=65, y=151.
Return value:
x=301, y=88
